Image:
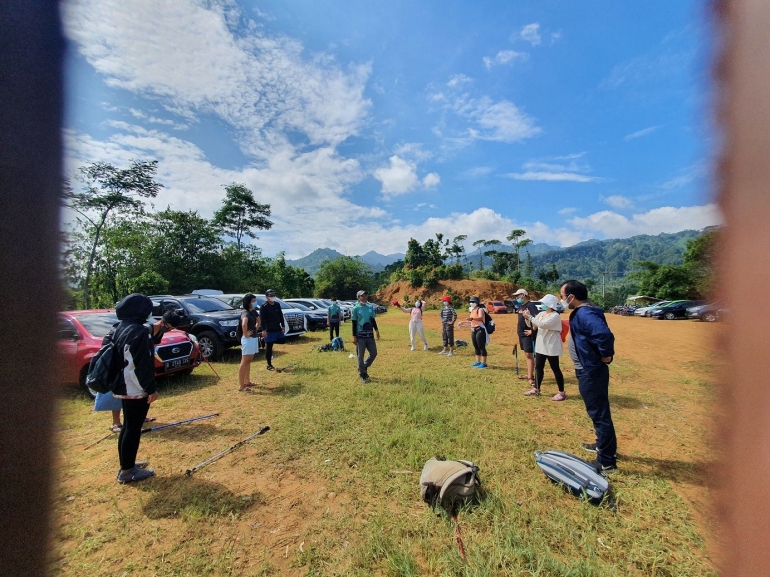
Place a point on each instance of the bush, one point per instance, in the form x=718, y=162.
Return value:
x=416, y=277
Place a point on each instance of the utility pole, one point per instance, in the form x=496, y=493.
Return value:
x=603, y=277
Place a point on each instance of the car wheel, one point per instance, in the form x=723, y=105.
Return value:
x=669, y=316
x=82, y=381
x=709, y=317
x=210, y=345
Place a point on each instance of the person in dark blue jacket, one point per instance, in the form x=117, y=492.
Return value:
x=592, y=348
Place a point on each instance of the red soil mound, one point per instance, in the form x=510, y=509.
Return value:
x=486, y=290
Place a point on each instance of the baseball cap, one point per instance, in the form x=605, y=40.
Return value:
x=521, y=292
x=475, y=299
x=360, y=294
x=447, y=299
x=270, y=293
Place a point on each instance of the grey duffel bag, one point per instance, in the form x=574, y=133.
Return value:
x=579, y=477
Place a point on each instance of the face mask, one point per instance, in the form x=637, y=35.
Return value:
x=270, y=299
x=473, y=306
x=417, y=304
x=519, y=301
x=543, y=308
x=254, y=304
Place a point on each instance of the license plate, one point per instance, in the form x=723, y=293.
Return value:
x=175, y=364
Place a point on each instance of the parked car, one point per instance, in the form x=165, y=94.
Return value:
x=511, y=306
x=81, y=334
x=210, y=319
x=322, y=306
x=706, y=312
x=316, y=320
x=644, y=311
x=674, y=310
x=496, y=307
x=293, y=318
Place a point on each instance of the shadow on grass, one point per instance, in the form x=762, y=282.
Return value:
x=195, y=431
x=669, y=469
x=626, y=402
x=183, y=496
x=174, y=385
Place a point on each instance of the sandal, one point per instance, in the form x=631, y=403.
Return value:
x=245, y=390
x=533, y=392
x=560, y=396
x=116, y=428
x=523, y=378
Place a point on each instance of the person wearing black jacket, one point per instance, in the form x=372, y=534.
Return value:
x=136, y=385
x=272, y=325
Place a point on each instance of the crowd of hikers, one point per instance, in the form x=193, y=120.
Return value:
x=541, y=336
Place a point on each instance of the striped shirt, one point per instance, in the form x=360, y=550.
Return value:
x=448, y=316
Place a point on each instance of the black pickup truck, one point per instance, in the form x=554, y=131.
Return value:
x=210, y=320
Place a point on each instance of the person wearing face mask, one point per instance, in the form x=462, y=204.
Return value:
x=272, y=322
x=526, y=333
x=364, y=329
x=334, y=318
x=479, y=336
x=548, y=345
x=415, y=323
x=248, y=329
x=448, y=319
x=591, y=346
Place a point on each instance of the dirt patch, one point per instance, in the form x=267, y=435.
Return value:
x=486, y=290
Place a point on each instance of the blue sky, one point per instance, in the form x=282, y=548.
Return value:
x=363, y=124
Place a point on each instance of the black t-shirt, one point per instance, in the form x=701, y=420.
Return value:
x=251, y=321
x=533, y=310
x=272, y=317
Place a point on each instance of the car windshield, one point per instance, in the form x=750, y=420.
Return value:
x=98, y=325
x=284, y=305
x=206, y=305
x=497, y=304
x=296, y=305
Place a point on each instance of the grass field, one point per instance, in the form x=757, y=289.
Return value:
x=332, y=488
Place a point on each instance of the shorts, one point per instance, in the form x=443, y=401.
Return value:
x=249, y=345
x=526, y=344
x=277, y=337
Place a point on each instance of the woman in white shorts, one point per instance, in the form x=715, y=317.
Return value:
x=249, y=325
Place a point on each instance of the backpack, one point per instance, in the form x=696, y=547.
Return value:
x=448, y=483
x=574, y=474
x=103, y=370
x=324, y=347
x=489, y=324
x=337, y=344
x=564, y=331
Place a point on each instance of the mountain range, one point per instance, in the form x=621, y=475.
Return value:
x=312, y=262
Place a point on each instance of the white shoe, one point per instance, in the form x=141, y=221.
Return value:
x=450, y=354
x=443, y=353
x=425, y=348
x=411, y=348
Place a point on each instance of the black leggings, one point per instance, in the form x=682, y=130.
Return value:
x=479, y=338
x=134, y=414
x=269, y=353
x=334, y=327
x=540, y=366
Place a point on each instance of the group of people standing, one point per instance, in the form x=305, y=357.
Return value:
x=265, y=321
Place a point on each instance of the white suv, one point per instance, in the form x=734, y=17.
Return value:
x=294, y=319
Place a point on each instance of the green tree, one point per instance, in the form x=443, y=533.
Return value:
x=240, y=214
x=479, y=244
x=518, y=242
x=343, y=277
x=415, y=254
x=106, y=190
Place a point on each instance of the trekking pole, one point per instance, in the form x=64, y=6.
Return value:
x=459, y=537
x=204, y=358
x=159, y=427
x=516, y=354
x=99, y=441
x=189, y=472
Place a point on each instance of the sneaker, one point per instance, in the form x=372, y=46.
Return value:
x=443, y=353
x=450, y=354
x=476, y=364
x=560, y=396
x=533, y=392
x=590, y=447
x=270, y=368
x=411, y=348
x=481, y=366
x=603, y=468
x=135, y=474
x=425, y=348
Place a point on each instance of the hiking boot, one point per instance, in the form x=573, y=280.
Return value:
x=481, y=366
x=590, y=447
x=560, y=396
x=411, y=348
x=270, y=368
x=476, y=364
x=599, y=468
x=425, y=348
x=443, y=353
x=533, y=392
x=134, y=475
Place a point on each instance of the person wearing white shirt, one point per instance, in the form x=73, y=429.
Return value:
x=548, y=345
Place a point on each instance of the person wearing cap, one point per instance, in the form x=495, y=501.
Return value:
x=415, y=323
x=479, y=336
x=448, y=319
x=273, y=329
x=364, y=329
x=334, y=318
x=548, y=345
x=526, y=332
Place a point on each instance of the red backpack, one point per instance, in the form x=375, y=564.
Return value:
x=564, y=331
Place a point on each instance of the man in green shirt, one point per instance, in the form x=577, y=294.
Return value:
x=334, y=316
x=364, y=329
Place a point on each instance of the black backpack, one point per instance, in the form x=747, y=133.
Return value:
x=103, y=371
x=489, y=324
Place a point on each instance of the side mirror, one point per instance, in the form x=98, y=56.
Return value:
x=68, y=335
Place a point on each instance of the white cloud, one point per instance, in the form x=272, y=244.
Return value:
x=431, y=180
x=414, y=151
x=398, y=178
x=459, y=80
x=497, y=121
x=664, y=219
x=553, y=176
x=640, y=133
x=187, y=56
x=567, y=210
x=504, y=57
x=477, y=171
x=617, y=201
x=531, y=33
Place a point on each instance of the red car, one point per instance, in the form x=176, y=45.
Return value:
x=497, y=307
x=81, y=334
